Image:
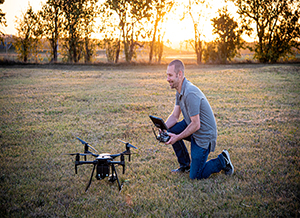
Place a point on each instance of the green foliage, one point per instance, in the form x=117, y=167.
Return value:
x=229, y=36
x=229, y=40
x=29, y=33
x=90, y=12
x=210, y=53
x=277, y=26
x=52, y=24
x=131, y=15
x=73, y=11
x=111, y=46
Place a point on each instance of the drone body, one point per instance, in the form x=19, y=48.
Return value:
x=104, y=163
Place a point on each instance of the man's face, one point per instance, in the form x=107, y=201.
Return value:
x=172, y=77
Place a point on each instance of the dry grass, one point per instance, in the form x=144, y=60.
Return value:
x=44, y=110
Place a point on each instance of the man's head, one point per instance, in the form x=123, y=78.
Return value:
x=175, y=74
x=178, y=66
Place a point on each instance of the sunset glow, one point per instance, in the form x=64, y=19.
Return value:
x=176, y=30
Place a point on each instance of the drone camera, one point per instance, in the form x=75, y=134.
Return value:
x=102, y=170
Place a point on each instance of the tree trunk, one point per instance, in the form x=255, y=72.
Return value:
x=153, y=40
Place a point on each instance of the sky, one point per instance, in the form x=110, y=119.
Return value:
x=176, y=31
x=13, y=8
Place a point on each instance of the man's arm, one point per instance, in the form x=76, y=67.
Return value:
x=190, y=129
x=173, y=118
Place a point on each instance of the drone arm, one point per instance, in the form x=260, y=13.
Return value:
x=85, y=162
x=122, y=163
x=77, y=163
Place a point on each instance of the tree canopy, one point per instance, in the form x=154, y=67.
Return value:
x=131, y=24
x=229, y=39
x=277, y=26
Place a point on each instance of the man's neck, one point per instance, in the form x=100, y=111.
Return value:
x=180, y=86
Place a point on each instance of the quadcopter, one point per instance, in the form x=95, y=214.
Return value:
x=104, y=163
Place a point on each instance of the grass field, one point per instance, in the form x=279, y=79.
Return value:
x=44, y=108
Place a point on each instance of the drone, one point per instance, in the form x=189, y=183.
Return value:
x=104, y=163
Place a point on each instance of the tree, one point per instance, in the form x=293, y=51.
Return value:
x=229, y=39
x=90, y=13
x=277, y=26
x=27, y=34
x=111, y=34
x=73, y=12
x=160, y=9
x=159, y=46
x=210, y=53
x=195, y=11
x=131, y=14
x=2, y=21
x=52, y=16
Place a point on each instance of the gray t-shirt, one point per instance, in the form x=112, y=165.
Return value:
x=192, y=101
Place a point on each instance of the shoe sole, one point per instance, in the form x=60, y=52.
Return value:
x=231, y=171
x=180, y=171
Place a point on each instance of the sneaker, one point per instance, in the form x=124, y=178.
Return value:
x=181, y=170
x=229, y=169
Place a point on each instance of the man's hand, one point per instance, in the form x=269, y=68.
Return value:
x=189, y=130
x=173, y=139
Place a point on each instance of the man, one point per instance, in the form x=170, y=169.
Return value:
x=199, y=127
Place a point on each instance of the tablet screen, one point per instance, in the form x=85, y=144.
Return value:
x=158, y=122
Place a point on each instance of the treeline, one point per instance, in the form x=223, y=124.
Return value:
x=125, y=26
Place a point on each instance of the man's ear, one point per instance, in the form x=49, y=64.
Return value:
x=180, y=74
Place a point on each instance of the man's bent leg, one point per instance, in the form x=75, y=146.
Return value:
x=212, y=166
x=200, y=169
x=179, y=147
x=199, y=157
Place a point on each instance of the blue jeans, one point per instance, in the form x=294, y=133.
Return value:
x=200, y=167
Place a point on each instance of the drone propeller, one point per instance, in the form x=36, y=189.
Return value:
x=72, y=154
x=86, y=146
x=115, y=155
x=128, y=145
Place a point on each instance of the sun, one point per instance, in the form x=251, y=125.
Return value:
x=178, y=30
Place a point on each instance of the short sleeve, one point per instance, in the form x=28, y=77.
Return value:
x=193, y=104
x=177, y=99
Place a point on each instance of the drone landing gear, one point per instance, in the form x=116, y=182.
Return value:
x=112, y=178
x=89, y=184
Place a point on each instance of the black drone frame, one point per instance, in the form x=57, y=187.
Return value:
x=104, y=163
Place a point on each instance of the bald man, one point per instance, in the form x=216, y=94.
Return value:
x=198, y=126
